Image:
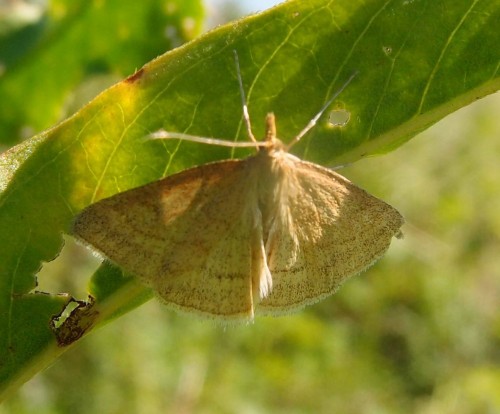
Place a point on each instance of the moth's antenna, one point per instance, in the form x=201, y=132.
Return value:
x=313, y=121
x=246, y=116
x=162, y=134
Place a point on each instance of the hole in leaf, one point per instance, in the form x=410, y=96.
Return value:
x=69, y=272
x=339, y=118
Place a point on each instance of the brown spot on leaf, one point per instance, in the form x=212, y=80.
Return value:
x=135, y=77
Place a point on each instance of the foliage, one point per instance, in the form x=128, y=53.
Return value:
x=392, y=340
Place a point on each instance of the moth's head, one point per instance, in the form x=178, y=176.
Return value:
x=273, y=143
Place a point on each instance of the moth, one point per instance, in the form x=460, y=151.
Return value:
x=267, y=234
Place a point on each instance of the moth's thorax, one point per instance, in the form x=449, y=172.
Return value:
x=274, y=171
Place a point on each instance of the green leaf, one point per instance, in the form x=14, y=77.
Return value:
x=416, y=64
x=41, y=64
x=74, y=42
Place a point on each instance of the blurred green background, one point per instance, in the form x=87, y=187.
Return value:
x=419, y=332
